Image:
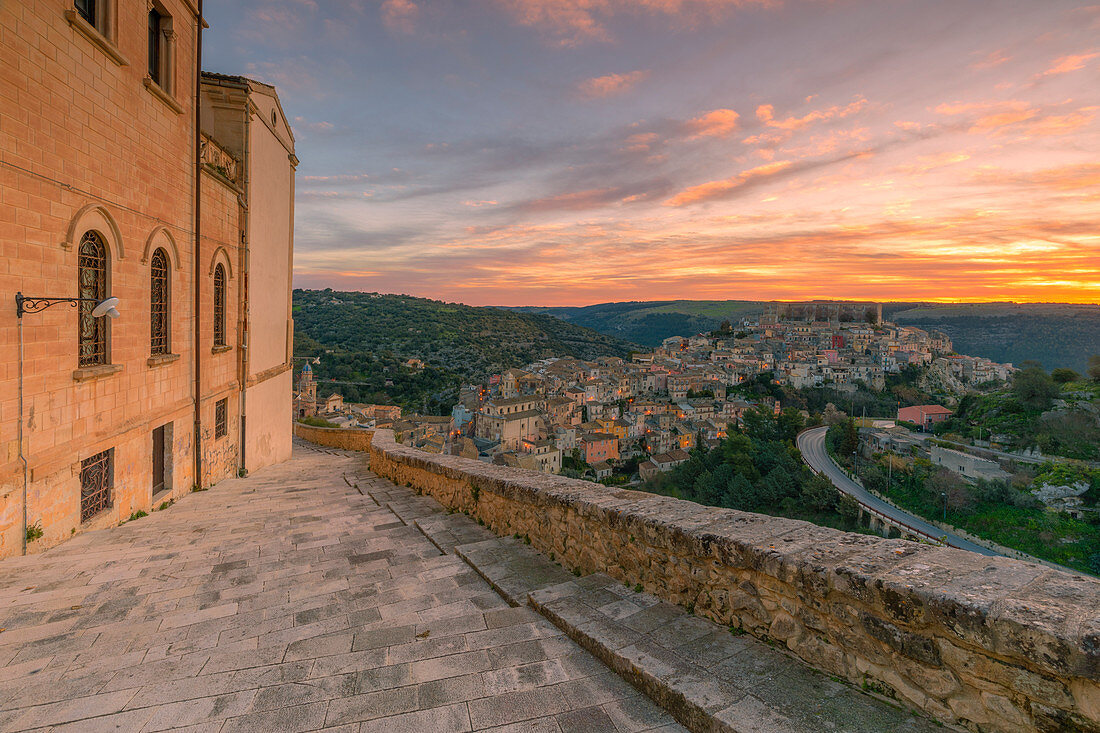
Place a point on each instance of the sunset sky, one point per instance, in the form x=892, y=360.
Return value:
x=566, y=152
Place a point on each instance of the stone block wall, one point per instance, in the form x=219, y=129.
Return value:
x=993, y=644
x=342, y=438
x=88, y=146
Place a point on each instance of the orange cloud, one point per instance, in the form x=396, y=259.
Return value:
x=400, y=15
x=766, y=114
x=1015, y=116
x=640, y=142
x=716, y=123
x=1084, y=177
x=992, y=60
x=575, y=201
x=719, y=189
x=610, y=84
x=1066, y=64
x=964, y=256
x=575, y=21
x=925, y=163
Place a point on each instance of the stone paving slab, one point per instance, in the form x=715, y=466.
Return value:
x=512, y=568
x=708, y=676
x=449, y=531
x=304, y=597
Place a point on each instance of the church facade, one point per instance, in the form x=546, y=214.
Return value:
x=127, y=173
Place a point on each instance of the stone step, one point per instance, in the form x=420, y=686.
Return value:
x=709, y=677
x=513, y=568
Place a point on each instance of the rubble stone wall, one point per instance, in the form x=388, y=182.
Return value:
x=342, y=438
x=993, y=644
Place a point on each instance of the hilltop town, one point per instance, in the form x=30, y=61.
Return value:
x=642, y=415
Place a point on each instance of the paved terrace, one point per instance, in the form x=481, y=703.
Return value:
x=314, y=595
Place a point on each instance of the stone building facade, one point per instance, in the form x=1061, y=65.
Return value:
x=100, y=186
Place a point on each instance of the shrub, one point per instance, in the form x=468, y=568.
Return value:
x=317, y=422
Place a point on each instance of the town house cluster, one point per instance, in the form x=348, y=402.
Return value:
x=657, y=406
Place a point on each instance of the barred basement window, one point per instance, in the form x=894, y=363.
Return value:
x=220, y=427
x=158, y=304
x=219, y=305
x=96, y=482
x=92, y=288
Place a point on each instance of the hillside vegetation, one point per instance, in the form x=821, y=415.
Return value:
x=367, y=338
x=1053, y=334
x=650, y=322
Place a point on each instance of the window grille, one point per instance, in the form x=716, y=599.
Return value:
x=86, y=9
x=220, y=425
x=92, y=288
x=158, y=303
x=96, y=481
x=219, y=305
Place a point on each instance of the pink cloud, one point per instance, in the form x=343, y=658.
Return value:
x=716, y=123
x=991, y=60
x=1018, y=117
x=766, y=114
x=1083, y=177
x=576, y=21
x=610, y=84
x=1074, y=62
x=718, y=189
x=400, y=15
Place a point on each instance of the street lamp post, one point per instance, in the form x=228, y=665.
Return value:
x=23, y=304
x=944, y=495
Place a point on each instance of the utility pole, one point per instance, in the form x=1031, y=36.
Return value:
x=889, y=465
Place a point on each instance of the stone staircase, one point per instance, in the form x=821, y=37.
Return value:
x=710, y=678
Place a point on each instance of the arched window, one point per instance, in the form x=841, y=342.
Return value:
x=219, y=305
x=91, y=288
x=159, y=341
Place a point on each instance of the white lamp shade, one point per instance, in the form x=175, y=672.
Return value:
x=104, y=308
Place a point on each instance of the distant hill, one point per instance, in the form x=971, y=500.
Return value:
x=367, y=338
x=1054, y=334
x=650, y=322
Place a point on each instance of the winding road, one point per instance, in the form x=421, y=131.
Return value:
x=812, y=444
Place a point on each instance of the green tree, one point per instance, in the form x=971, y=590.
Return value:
x=739, y=493
x=1062, y=375
x=847, y=441
x=1034, y=388
x=1094, y=367
x=819, y=494
x=789, y=423
x=847, y=507
x=760, y=424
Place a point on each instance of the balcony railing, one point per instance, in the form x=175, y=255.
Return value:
x=218, y=160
